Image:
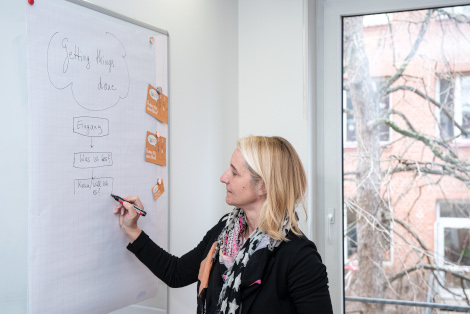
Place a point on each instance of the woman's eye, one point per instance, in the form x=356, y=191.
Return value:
x=233, y=173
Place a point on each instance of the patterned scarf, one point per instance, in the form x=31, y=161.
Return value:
x=230, y=247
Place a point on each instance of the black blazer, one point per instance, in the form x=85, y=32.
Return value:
x=293, y=281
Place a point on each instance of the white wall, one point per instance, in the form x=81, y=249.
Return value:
x=271, y=70
x=273, y=96
x=13, y=159
x=203, y=127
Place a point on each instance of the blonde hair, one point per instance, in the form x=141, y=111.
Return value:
x=275, y=161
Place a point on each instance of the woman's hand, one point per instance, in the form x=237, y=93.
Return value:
x=128, y=217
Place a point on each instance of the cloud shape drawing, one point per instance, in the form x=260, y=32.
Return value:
x=96, y=70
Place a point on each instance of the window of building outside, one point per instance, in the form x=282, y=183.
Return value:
x=454, y=95
x=383, y=106
x=406, y=186
x=453, y=244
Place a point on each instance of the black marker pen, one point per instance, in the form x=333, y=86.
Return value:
x=121, y=200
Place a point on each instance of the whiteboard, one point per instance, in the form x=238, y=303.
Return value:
x=88, y=84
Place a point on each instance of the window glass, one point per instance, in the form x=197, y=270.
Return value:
x=465, y=104
x=376, y=19
x=350, y=124
x=457, y=246
x=463, y=10
x=383, y=106
x=455, y=99
x=446, y=115
x=455, y=209
x=406, y=158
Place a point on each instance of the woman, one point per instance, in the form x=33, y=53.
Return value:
x=255, y=260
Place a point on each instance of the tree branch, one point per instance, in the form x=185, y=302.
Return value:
x=433, y=101
x=410, y=56
x=431, y=171
x=459, y=18
x=416, y=236
x=431, y=267
x=465, y=167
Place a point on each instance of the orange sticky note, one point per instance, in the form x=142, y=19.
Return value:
x=158, y=189
x=157, y=104
x=155, y=149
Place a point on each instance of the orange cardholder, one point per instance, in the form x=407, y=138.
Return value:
x=158, y=189
x=157, y=104
x=155, y=149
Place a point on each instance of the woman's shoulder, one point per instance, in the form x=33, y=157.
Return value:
x=299, y=258
x=298, y=240
x=298, y=246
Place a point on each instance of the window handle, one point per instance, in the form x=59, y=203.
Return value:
x=331, y=221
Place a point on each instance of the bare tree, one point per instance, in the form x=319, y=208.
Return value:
x=365, y=104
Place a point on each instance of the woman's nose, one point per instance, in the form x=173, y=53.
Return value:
x=224, y=177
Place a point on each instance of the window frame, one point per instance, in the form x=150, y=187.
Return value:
x=457, y=104
x=324, y=45
x=440, y=225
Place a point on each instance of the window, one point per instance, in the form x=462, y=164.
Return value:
x=454, y=95
x=398, y=180
x=453, y=246
x=455, y=209
x=349, y=126
x=390, y=248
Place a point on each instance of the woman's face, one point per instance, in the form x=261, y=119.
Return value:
x=241, y=191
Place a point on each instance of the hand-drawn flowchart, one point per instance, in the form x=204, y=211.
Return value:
x=93, y=71
x=92, y=127
x=90, y=71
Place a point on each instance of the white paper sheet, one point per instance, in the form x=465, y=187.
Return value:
x=88, y=75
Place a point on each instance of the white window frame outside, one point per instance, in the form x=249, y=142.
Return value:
x=457, y=107
x=441, y=224
x=324, y=42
